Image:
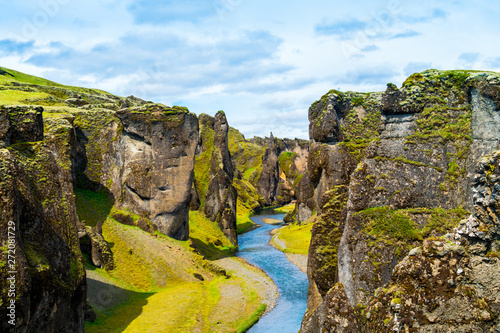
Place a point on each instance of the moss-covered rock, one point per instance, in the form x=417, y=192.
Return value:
x=220, y=200
x=144, y=156
x=38, y=208
x=410, y=182
x=96, y=247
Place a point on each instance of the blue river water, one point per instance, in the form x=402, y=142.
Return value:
x=292, y=284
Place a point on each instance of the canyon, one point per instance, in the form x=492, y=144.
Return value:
x=401, y=188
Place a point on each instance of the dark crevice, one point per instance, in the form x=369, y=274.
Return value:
x=136, y=137
x=135, y=192
x=165, y=188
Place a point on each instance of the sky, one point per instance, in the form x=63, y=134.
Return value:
x=262, y=62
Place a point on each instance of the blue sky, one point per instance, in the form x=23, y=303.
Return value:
x=262, y=62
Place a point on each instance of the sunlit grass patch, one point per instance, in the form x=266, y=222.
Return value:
x=16, y=97
x=285, y=209
x=243, y=221
x=296, y=238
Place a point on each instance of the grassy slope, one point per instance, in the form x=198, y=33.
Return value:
x=155, y=277
x=285, y=209
x=19, y=77
x=152, y=288
x=293, y=238
x=248, y=158
x=296, y=238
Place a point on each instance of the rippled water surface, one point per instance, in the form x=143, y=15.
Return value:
x=291, y=282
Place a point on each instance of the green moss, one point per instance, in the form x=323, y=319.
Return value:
x=382, y=221
x=92, y=207
x=175, y=110
x=414, y=79
x=285, y=161
x=247, y=194
x=438, y=220
x=36, y=259
x=243, y=327
x=388, y=226
x=203, y=162
x=247, y=156
x=402, y=159
x=361, y=130
x=328, y=232
x=357, y=101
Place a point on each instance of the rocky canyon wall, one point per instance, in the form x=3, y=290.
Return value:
x=390, y=172
x=144, y=156
x=42, y=273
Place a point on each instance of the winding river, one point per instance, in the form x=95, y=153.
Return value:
x=292, y=284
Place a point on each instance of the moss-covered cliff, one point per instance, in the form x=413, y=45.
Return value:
x=40, y=247
x=389, y=171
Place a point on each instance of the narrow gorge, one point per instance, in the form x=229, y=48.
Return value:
x=122, y=207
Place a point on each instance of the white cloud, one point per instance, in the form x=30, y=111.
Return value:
x=262, y=62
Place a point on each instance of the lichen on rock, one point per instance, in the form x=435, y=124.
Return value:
x=410, y=188
x=38, y=207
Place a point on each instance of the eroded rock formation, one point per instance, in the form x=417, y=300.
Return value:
x=392, y=172
x=144, y=155
x=40, y=226
x=220, y=200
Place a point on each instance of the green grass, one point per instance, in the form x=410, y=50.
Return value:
x=248, y=172
x=285, y=209
x=245, y=326
x=297, y=238
x=173, y=309
x=177, y=308
x=243, y=221
x=118, y=318
x=15, y=97
x=207, y=236
x=92, y=207
x=35, y=80
x=179, y=303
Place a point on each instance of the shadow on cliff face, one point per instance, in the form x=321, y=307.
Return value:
x=93, y=207
x=117, y=307
x=93, y=200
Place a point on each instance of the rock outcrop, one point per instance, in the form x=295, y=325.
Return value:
x=145, y=156
x=41, y=254
x=267, y=184
x=392, y=172
x=95, y=246
x=220, y=200
x=282, y=165
x=20, y=124
x=158, y=149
